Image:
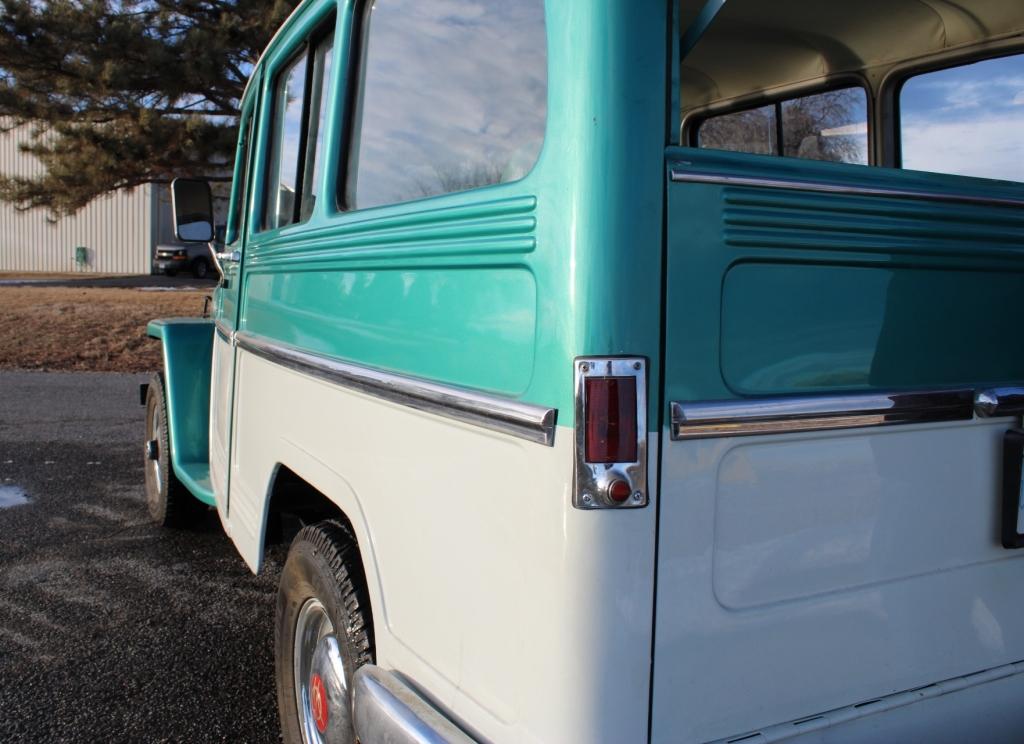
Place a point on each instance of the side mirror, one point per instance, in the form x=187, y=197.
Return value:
x=192, y=204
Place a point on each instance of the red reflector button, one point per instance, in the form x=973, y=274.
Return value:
x=610, y=419
x=619, y=491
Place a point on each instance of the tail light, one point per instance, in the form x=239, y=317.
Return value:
x=611, y=433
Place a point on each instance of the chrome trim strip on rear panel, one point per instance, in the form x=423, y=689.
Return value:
x=723, y=179
x=786, y=414
x=999, y=401
x=523, y=420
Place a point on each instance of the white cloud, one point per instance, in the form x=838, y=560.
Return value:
x=989, y=148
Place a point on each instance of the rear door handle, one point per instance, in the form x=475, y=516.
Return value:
x=229, y=256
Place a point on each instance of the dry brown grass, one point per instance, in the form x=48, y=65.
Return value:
x=94, y=329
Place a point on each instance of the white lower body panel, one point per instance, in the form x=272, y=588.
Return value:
x=803, y=573
x=524, y=618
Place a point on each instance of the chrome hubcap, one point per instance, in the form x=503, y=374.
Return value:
x=321, y=690
x=153, y=452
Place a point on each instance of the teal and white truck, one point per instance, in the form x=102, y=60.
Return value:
x=638, y=371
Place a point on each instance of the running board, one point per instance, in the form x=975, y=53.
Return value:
x=388, y=711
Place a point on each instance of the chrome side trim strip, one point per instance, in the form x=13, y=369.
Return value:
x=387, y=711
x=999, y=401
x=723, y=179
x=225, y=333
x=785, y=414
x=523, y=420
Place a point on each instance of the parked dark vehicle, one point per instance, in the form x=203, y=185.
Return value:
x=194, y=257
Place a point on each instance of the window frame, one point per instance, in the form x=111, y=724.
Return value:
x=694, y=120
x=242, y=172
x=306, y=47
x=344, y=199
x=892, y=86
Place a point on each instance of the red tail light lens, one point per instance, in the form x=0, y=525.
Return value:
x=610, y=413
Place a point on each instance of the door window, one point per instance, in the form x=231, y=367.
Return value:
x=239, y=182
x=297, y=132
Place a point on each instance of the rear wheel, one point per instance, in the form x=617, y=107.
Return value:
x=170, y=503
x=323, y=635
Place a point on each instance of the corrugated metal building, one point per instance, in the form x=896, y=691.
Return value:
x=119, y=231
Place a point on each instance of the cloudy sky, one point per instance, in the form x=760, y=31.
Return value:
x=967, y=120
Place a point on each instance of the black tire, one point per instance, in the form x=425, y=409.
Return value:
x=323, y=566
x=200, y=268
x=170, y=503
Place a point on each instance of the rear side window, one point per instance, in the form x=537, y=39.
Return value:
x=453, y=97
x=832, y=126
x=299, y=104
x=966, y=120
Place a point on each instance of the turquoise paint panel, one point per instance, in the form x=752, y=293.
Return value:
x=471, y=327
x=188, y=350
x=562, y=263
x=775, y=291
x=805, y=328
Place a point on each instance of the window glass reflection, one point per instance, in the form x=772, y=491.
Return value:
x=829, y=126
x=454, y=97
x=743, y=131
x=832, y=125
x=317, y=117
x=966, y=120
x=288, y=102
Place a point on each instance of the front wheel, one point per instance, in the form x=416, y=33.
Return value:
x=170, y=503
x=322, y=636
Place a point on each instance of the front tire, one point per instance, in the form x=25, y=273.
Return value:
x=170, y=503
x=323, y=635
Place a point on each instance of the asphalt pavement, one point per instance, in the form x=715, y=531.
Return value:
x=112, y=629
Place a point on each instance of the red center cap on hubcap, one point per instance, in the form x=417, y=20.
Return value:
x=318, y=702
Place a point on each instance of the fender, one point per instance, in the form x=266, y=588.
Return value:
x=188, y=350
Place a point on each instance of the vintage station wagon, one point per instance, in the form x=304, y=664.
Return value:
x=643, y=371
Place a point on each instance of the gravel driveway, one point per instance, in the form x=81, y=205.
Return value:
x=110, y=628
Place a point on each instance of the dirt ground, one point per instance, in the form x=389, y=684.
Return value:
x=79, y=328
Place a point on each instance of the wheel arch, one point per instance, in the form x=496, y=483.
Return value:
x=296, y=492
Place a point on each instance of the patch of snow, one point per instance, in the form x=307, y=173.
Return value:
x=12, y=496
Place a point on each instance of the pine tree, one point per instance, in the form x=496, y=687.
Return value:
x=123, y=92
